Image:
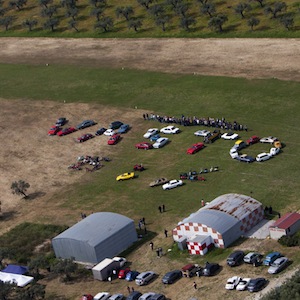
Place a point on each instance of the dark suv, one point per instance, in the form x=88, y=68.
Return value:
x=235, y=258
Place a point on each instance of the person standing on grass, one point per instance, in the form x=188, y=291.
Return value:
x=166, y=233
x=195, y=285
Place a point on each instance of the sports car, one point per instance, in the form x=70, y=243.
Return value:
x=66, y=131
x=84, y=137
x=145, y=146
x=113, y=139
x=150, y=132
x=268, y=139
x=170, y=130
x=229, y=136
x=195, y=148
x=172, y=184
x=158, y=181
x=202, y=133
x=125, y=176
x=54, y=130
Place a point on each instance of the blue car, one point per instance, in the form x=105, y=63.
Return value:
x=271, y=257
x=130, y=276
x=124, y=128
x=154, y=138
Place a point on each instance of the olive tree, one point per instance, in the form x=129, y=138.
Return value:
x=20, y=187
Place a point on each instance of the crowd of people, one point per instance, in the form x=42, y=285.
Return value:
x=221, y=123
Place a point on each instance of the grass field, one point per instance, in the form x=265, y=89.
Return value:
x=236, y=26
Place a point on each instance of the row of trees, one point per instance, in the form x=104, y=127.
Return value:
x=162, y=13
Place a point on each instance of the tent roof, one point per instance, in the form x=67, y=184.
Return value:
x=20, y=280
x=15, y=269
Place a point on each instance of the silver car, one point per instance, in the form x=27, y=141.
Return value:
x=144, y=277
x=278, y=265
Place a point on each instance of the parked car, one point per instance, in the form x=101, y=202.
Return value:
x=135, y=295
x=235, y=258
x=115, y=125
x=189, y=270
x=271, y=257
x=263, y=156
x=125, y=176
x=139, y=167
x=159, y=181
x=210, y=269
x=274, y=151
x=87, y=297
x=54, y=130
x=155, y=137
x=132, y=275
x=268, y=139
x=239, y=145
x=109, y=132
x=122, y=273
x=121, y=260
x=102, y=296
x=229, y=136
x=278, y=265
x=172, y=184
x=203, y=133
x=234, y=153
x=147, y=296
x=232, y=282
x=195, y=148
x=245, y=158
x=123, y=128
x=66, y=131
x=252, y=257
x=114, y=139
x=253, y=140
x=171, y=277
x=100, y=131
x=170, y=130
x=144, y=277
x=160, y=142
x=256, y=284
x=84, y=137
x=116, y=297
x=212, y=137
x=243, y=284
x=158, y=297
x=144, y=146
x=85, y=124
x=61, y=122
x=150, y=133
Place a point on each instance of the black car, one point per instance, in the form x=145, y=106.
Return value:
x=256, y=284
x=100, y=131
x=210, y=269
x=86, y=123
x=158, y=297
x=235, y=258
x=61, y=122
x=115, y=125
x=134, y=295
x=172, y=276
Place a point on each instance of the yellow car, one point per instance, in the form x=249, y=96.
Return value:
x=125, y=176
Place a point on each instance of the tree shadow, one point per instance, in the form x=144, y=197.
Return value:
x=7, y=215
x=35, y=195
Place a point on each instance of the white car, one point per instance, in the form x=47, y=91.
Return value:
x=263, y=156
x=109, y=132
x=274, y=151
x=229, y=136
x=170, y=130
x=150, y=132
x=251, y=257
x=233, y=153
x=144, y=277
x=172, y=184
x=242, y=286
x=202, y=133
x=160, y=142
x=121, y=260
x=147, y=296
x=268, y=139
x=232, y=282
x=102, y=296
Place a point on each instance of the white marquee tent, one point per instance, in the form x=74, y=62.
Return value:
x=20, y=280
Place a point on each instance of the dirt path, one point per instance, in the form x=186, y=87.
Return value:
x=250, y=58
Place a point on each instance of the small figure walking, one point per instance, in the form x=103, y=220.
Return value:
x=151, y=245
x=166, y=233
x=157, y=252
x=160, y=209
x=109, y=279
x=163, y=208
x=195, y=285
x=132, y=289
x=128, y=289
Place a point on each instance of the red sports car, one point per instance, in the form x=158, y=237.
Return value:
x=195, y=148
x=144, y=146
x=113, y=139
x=253, y=140
x=123, y=272
x=84, y=137
x=54, y=130
x=66, y=131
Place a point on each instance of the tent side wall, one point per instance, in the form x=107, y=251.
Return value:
x=116, y=243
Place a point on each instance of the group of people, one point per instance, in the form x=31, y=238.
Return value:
x=192, y=121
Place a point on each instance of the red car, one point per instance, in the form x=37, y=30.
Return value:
x=123, y=272
x=66, y=131
x=54, y=130
x=87, y=297
x=84, y=137
x=253, y=140
x=145, y=146
x=113, y=139
x=195, y=148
